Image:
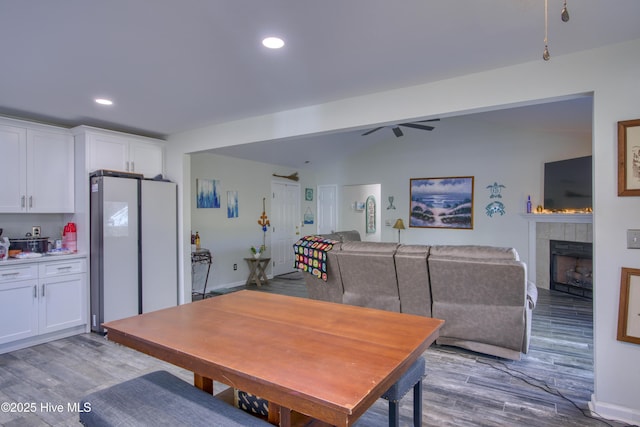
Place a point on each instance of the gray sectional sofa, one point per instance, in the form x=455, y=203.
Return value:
x=481, y=292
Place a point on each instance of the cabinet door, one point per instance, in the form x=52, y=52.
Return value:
x=108, y=152
x=50, y=172
x=62, y=303
x=146, y=158
x=18, y=310
x=13, y=169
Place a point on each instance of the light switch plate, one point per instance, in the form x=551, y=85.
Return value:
x=35, y=231
x=633, y=239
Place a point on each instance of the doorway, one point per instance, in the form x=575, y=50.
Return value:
x=327, y=209
x=285, y=225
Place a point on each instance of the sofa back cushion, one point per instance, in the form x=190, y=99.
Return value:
x=369, y=275
x=413, y=279
x=481, y=297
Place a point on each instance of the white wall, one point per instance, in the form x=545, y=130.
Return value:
x=352, y=219
x=513, y=157
x=230, y=239
x=610, y=73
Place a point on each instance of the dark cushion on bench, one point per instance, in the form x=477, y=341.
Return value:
x=161, y=399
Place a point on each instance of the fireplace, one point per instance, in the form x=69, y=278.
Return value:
x=571, y=267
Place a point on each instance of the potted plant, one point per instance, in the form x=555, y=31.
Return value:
x=257, y=251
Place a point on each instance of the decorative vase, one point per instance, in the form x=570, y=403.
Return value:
x=257, y=255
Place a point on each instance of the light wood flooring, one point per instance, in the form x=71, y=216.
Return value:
x=550, y=386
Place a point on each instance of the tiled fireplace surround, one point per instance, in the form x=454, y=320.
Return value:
x=546, y=227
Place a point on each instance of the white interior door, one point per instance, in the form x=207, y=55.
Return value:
x=285, y=225
x=327, y=209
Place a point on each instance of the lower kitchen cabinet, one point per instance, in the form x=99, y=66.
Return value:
x=18, y=310
x=62, y=303
x=41, y=300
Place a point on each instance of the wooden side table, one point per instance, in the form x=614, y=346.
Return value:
x=257, y=272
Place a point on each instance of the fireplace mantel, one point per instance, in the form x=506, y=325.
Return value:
x=578, y=218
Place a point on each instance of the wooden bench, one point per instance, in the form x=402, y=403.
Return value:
x=161, y=399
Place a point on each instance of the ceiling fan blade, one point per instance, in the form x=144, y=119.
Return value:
x=429, y=120
x=398, y=133
x=372, y=130
x=417, y=126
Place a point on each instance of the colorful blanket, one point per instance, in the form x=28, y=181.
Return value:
x=310, y=255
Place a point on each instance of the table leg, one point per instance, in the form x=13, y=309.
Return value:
x=262, y=275
x=203, y=383
x=279, y=415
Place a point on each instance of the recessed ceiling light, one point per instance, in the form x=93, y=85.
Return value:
x=104, y=101
x=273, y=42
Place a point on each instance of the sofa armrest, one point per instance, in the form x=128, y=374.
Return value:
x=532, y=295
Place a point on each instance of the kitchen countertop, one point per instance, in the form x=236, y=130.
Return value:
x=44, y=258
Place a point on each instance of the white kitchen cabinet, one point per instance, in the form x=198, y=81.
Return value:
x=50, y=172
x=121, y=152
x=37, y=170
x=13, y=170
x=40, y=300
x=62, y=297
x=18, y=302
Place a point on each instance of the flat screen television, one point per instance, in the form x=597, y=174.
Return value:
x=567, y=184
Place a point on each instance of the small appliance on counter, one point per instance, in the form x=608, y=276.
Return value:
x=30, y=244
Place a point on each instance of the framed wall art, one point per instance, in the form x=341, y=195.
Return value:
x=308, y=194
x=370, y=216
x=207, y=193
x=629, y=308
x=232, y=204
x=441, y=202
x=629, y=158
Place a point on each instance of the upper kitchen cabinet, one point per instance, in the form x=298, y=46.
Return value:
x=121, y=152
x=37, y=170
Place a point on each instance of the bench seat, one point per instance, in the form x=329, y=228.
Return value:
x=161, y=399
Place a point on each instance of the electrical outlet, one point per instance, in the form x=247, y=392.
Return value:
x=35, y=231
x=235, y=267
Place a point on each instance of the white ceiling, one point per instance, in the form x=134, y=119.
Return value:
x=174, y=65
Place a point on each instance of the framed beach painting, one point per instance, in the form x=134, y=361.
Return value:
x=207, y=193
x=441, y=202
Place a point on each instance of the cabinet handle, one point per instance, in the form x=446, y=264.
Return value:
x=22, y=201
x=30, y=201
x=43, y=285
x=133, y=167
x=66, y=267
x=127, y=166
x=35, y=291
x=14, y=273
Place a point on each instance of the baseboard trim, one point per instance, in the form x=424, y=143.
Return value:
x=614, y=412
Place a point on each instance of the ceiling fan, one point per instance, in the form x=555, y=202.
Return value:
x=398, y=132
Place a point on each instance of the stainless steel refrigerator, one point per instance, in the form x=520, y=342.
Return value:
x=134, y=246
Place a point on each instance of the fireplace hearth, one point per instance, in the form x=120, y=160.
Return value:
x=571, y=267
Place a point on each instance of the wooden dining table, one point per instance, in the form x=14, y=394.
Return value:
x=326, y=361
